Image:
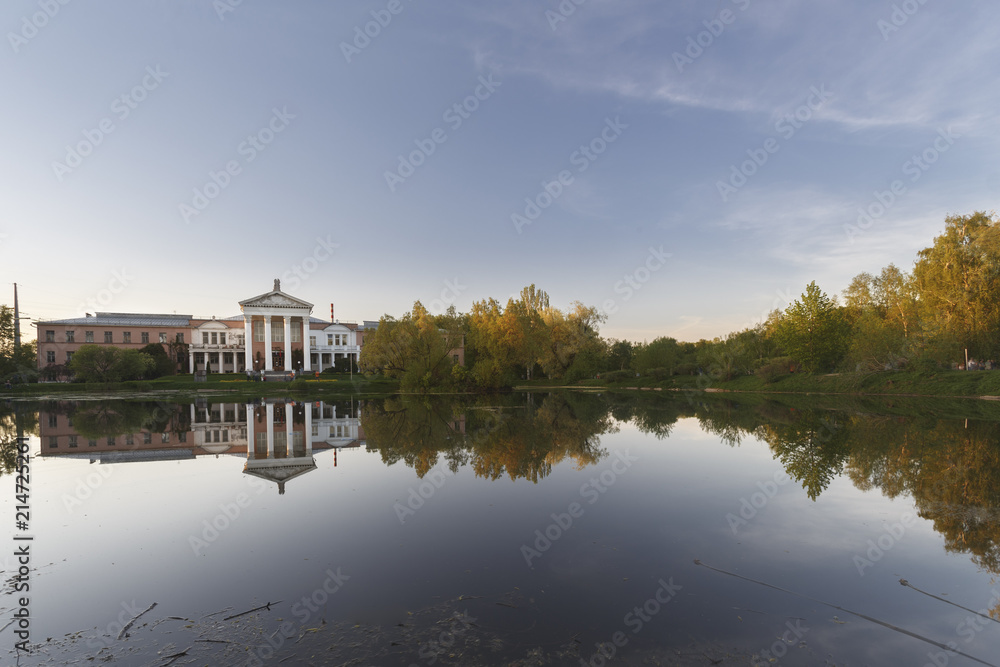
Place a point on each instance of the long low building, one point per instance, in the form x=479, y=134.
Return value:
x=274, y=324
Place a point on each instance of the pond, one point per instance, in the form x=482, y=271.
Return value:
x=522, y=529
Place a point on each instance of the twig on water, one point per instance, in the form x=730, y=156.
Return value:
x=853, y=613
x=171, y=659
x=931, y=595
x=134, y=619
x=250, y=611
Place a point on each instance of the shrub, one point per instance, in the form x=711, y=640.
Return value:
x=774, y=368
x=618, y=376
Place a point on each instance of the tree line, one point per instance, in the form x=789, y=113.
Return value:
x=927, y=318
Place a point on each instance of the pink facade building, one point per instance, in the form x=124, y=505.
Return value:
x=281, y=331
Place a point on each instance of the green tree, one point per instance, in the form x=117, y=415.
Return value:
x=619, y=354
x=162, y=363
x=104, y=363
x=415, y=349
x=15, y=361
x=814, y=331
x=662, y=352
x=958, y=289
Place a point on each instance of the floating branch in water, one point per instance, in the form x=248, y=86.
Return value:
x=250, y=611
x=931, y=595
x=134, y=619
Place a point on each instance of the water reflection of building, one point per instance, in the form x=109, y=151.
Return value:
x=285, y=435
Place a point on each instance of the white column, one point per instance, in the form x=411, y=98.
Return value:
x=269, y=408
x=289, y=449
x=267, y=343
x=251, y=441
x=191, y=358
x=288, y=342
x=306, y=352
x=309, y=429
x=247, y=343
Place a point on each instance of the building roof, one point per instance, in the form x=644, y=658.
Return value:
x=127, y=319
x=275, y=299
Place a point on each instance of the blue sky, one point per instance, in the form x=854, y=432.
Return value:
x=693, y=164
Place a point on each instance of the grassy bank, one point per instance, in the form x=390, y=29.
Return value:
x=215, y=385
x=888, y=383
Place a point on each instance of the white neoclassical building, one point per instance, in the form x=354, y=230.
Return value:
x=274, y=332
x=276, y=326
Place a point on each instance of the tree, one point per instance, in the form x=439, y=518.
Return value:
x=663, y=352
x=813, y=330
x=15, y=361
x=958, y=288
x=882, y=312
x=619, y=354
x=162, y=363
x=414, y=349
x=104, y=363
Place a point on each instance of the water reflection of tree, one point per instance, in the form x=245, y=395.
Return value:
x=813, y=448
x=521, y=437
x=100, y=419
x=952, y=470
x=14, y=419
x=950, y=467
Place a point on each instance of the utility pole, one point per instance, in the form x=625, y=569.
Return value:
x=17, y=323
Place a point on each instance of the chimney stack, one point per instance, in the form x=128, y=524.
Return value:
x=331, y=313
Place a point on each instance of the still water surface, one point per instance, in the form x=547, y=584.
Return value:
x=530, y=529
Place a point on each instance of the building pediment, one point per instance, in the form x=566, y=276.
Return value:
x=275, y=299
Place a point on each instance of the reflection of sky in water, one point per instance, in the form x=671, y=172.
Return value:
x=131, y=541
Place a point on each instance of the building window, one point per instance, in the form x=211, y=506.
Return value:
x=180, y=338
x=163, y=337
x=147, y=438
x=258, y=331
x=72, y=441
x=92, y=443
x=278, y=334
x=329, y=339
x=88, y=336
x=204, y=338
x=144, y=337
x=164, y=437
x=53, y=421
x=70, y=336
x=50, y=357
x=182, y=436
x=69, y=357
x=50, y=336
x=215, y=338
x=53, y=442
x=108, y=337
x=126, y=336
x=312, y=341
x=222, y=338
x=111, y=441
x=296, y=332
x=129, y=440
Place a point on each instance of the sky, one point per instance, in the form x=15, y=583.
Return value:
x=685, y=167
